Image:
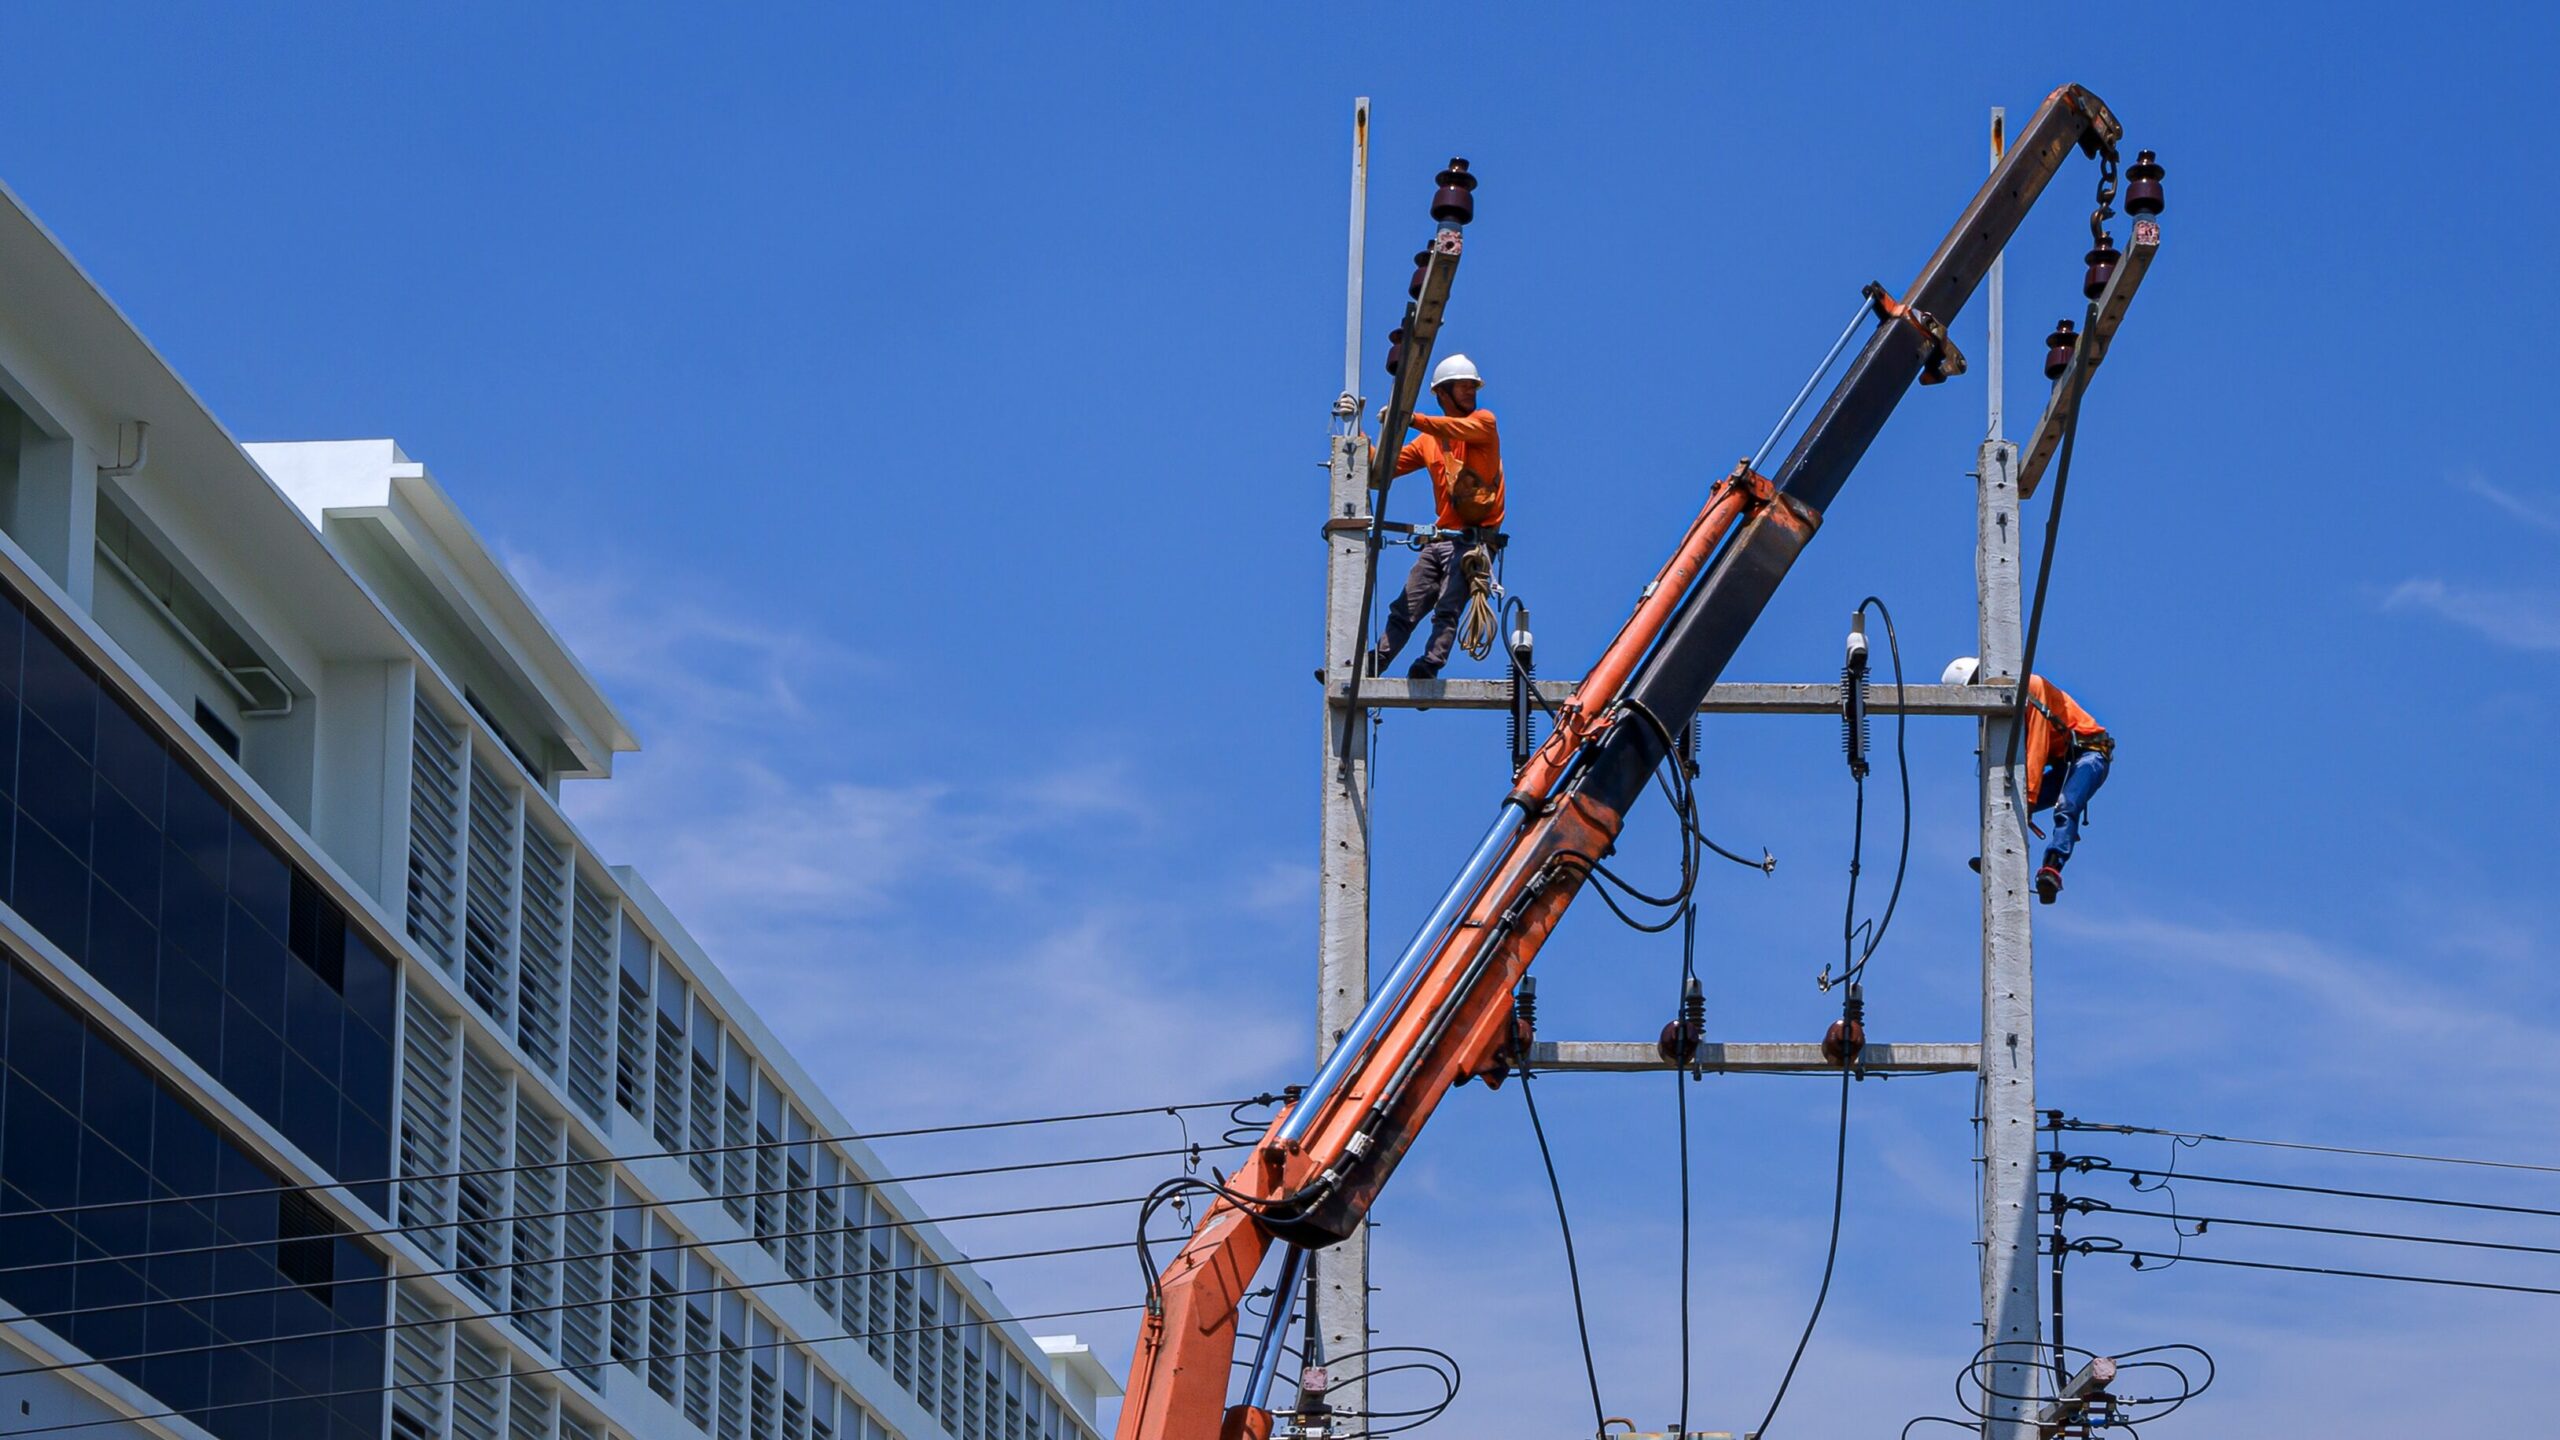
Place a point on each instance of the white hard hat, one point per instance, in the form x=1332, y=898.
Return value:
x=1456, y=367
x=1963, y=670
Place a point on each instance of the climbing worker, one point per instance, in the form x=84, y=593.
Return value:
x=2068, y=755
x=1464, y=455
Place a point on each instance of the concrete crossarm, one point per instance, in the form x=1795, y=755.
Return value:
x=1736, y=699
x=1880, y=1057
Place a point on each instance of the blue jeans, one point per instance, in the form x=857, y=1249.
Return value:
x=2071, y=804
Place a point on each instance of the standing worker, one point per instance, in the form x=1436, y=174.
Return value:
x=2068, y=756
x=1464, y=455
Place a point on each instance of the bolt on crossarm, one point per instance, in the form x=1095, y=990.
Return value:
x=1443, y=1014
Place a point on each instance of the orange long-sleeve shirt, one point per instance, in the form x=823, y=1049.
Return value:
x=1447, y=444
x=2047, y=738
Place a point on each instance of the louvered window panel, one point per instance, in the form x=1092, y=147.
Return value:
x=573, y=1428
x=539, y=1186
x=631, y=1024
x=668, y=1109
x=427, y=1061
x=488, y=895
x=970, y=1421
x=826, y=1221
x=879, y=1321
x=531, y=1408
x=419, y=1349
x=479, y=1396
x=991, y=1402
x=542, y=947
x=770, y=1199
x=704, y=1136
x=799, y=1215
x=435, y=834
x=904, y=1366
x=584, y=1283
x=928, y=1342
x=666, y=1322
x=736, y=1161
x=481, y=1191
x=591, y=996
x=699, y=1350
x=733, y=1391
x=764, y=1396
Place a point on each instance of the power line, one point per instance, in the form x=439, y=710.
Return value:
x=2093, y=1164
x=2305, y=1145
x=2084, y=1247
x=390, y=1326
x=2100, y=1207
x=624, y=1360
x=539, y=1261
x=725, y=1149
x=430, y=1226
x=1572, y=1270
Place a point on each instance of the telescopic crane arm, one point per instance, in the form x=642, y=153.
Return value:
x=1443, y=1015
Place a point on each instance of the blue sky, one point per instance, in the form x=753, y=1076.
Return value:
x=916, y=418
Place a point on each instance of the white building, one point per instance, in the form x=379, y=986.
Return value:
x=290, y=904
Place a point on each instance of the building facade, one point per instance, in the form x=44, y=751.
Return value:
x=345, y=1091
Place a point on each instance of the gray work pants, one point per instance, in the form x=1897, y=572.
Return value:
x=1437, y=586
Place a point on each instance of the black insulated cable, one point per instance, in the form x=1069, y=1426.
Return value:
x=523, y=1262
x=431, y=1226
x=532, y=1166
x=1572, y=1269
x=450, y=1382
x=389, y=1327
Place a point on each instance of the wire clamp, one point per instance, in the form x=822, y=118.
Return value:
x=1943, y=361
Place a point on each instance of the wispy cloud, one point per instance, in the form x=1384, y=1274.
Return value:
x=2515, y=619
x=975, y=944
x=2540, y=515
x=2377, y=1037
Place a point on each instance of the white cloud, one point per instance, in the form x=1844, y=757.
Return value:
x=2536, y=514
x=2516, y=619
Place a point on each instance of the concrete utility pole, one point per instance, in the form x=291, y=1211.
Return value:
x=1342, y=897
x=2006, y=1106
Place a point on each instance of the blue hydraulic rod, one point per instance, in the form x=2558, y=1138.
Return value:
x=1266, y=1355
x=1388, y=1000
x=1865, y=308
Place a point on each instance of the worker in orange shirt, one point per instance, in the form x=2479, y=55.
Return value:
x=2068, y=756
x=1463, y=452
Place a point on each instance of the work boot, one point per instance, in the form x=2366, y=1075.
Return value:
x=2049, y=878
x=1423, y=670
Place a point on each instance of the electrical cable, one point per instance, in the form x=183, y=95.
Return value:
x=1830, y=1259
x=428, y=1227
x=495, y=1378
x=1680, y=1090
x=1572, y=1269
x=2092, y=1125
x=2044, y=563
x=2138, y=1256
x=557, y=1307
x=432, y=1176
x=1902, y=768
x=1853, y=964
x=2085, y=1206
x=540, y=1261
x=2091, y=1164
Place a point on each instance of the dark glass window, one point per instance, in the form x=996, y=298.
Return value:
x=224, y=738
x=127, y=857
x=298, y=1293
